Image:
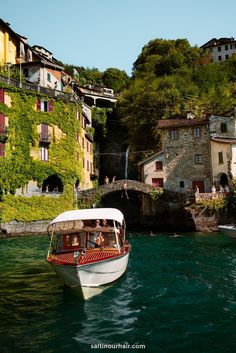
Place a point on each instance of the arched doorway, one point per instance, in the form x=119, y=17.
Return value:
x=52, y=184
x=223, y=180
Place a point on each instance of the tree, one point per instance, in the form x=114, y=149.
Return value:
x=168, y=82
x=115, y=79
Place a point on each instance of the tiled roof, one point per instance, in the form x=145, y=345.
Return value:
x=168, y=123
x=214, y=42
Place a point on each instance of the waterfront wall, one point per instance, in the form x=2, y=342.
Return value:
x=15, y=228
x=172, y=218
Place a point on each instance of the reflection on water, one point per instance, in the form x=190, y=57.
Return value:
x=178, y=295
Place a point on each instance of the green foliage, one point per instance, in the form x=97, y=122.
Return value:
x=99, y=116
x=213, y=205
x=29, y=209
x=156, y=194
x=165, y=56
x=90, y=202
x=11, y=71
x=168, y=82
x=90, y=76
x=115, y=79
x=17, y=168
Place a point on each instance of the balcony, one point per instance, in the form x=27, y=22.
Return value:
x=39, y=89
x=45, y=139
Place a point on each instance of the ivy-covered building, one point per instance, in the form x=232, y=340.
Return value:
x=46, y=153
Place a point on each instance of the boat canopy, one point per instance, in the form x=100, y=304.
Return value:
x=89, y=214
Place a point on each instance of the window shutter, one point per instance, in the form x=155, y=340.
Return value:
x=2, y=122
x=2, y=149
x=51, y=105
x=39, y=104
x=1, y=95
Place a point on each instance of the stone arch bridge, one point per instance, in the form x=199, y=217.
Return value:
x=132, y=185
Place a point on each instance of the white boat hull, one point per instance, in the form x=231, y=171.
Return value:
x=92, y=275
x=87, y=256
x=229, y=230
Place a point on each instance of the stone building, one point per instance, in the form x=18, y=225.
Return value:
x=186, y=154
x=195, y=152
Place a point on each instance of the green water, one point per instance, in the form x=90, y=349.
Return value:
x=178, y=295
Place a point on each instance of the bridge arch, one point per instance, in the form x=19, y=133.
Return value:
x=132, y=185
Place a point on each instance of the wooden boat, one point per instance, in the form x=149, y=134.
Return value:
x=228, y=229
x=86, y=255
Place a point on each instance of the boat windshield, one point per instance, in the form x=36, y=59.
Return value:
x=87, y=238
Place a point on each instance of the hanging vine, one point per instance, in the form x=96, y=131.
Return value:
x=18, y=167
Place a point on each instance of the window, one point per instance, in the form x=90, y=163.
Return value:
x=87, y=165
x=159, y=165
x=1, y=95
x=44, y=136
x=223, y=127
x=198, y=159
x=226, y=47
x=2, y=123
x=174, y=134
x=87, y=146
x=220, y=157
x=219, y=48
x=181, y=184
x=83, y=122
x=157, y=182
x=219, y=58
x=226, y=57
x=49, y=77
x=44, y=153
x=83, y=142
x=196, y=132
x=77, y=136
x=2, y=149
x=45, y=105
x=91, y=167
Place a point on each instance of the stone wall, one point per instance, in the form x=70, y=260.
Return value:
x=180, y=164
x=22, y=228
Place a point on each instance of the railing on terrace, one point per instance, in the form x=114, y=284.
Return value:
x=39, y=89
x=209, y=196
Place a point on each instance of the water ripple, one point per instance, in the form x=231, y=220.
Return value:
x=177, y=296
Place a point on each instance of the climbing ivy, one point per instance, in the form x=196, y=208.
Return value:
x=18, y=167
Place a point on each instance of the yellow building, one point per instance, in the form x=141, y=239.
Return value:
x=9, y=44
x=86, y=145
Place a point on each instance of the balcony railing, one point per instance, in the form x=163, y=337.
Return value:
x=39, y=89
x=45, y=138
